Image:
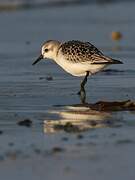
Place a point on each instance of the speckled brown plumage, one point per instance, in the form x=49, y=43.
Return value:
x=80, y=52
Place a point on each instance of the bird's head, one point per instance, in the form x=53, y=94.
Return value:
x=48, y=50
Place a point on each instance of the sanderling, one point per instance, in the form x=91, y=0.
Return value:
x=76, y=57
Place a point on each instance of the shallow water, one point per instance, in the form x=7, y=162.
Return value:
x=25, y=93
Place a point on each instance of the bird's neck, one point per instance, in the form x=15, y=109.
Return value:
x=56, y=51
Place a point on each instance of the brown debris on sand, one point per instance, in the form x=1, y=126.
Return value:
x=113, y=106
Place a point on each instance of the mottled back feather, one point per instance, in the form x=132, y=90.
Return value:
x=81, y=52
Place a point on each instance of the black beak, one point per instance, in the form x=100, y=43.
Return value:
x=38, y=59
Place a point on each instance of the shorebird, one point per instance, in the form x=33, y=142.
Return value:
x=77, y=58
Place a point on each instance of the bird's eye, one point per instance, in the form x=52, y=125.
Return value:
x=46, y=50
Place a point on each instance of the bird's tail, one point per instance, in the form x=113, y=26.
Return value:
x=114, y=61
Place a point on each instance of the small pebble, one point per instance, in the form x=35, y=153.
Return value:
x=108, y=122
x=40, y=78
x=49, y=78
x=25, y=122
x=80, y=136
x=57, y=149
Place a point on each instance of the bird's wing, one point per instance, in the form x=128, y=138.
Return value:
x=84, y=52
x=81, y=52
x=94, y=49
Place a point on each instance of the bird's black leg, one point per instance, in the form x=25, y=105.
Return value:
x=83, y=83
x=82, y=92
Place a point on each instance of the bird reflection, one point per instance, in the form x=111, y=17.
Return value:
x=81, y=117
x=76, y=119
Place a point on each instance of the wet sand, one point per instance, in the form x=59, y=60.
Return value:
x=28, y=93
